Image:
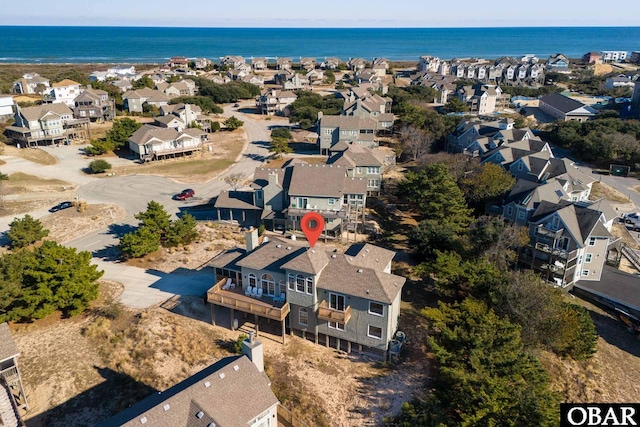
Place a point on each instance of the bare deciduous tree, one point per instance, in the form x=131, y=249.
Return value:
x=235, y=181
x=418, y=142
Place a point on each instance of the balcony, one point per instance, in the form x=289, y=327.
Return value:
x=237, y=300
x=541, y=230
x=561, y=253
x=328, y=214
x=333, y=315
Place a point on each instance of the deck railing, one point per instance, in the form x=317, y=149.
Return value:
x=333, y=315
x=216, y=295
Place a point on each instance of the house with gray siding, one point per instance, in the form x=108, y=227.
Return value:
x=360, y=162
x=279, y=197
x=349, y=129
x=569, y=242
x=349, y=301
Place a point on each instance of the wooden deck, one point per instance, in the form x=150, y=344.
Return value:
x=332, y=315
x=237, y=300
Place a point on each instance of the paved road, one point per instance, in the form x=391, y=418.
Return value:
x=144, y=288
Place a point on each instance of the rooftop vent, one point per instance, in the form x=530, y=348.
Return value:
x=350, y=259
x=200, y=415
x=312, y=251
x=236, y=368
x=359, y=270
x=166, y=407
x=367, y=291
x=363, y=255
x=211, y=425
x=333, y=256
x=207, y=384
x=288, y=248
x=143, y=420
x=367, y=250
x=221, y=375
x=278, y=246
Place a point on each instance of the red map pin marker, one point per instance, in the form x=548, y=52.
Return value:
x=312, y=225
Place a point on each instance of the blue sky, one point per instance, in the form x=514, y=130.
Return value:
x=325, y=13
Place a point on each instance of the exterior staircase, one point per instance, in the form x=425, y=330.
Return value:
x=9, y=416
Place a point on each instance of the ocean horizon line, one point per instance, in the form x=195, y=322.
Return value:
x=466, y=27
x=140, y=44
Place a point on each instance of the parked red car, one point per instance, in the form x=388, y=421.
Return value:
x=185, y=194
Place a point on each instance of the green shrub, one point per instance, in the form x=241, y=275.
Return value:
x=237, y=345
x=215, y=126
x=99, y=166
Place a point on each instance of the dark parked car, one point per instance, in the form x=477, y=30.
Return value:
x=185, y=194
x=61, y=206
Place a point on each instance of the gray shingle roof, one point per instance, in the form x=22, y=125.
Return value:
x=229, y=401
x=8, y=347
x=147, y=132
x=317, y=180
x=343, y=275
x=236, y=200
x=354, y=155
x=561, y=102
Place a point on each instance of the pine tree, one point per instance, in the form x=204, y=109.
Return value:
x=434, y=192
x=139, y=243
x=485, y=378
x=25, y=231
x=182, y=231
x=155, y=218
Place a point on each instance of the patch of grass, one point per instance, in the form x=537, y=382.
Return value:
x=600, y=190
x=21, y=182
x=295, y=394
x=34, y=155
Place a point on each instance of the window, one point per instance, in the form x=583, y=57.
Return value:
x=376, y=308
x=300, y=283
x=521, y=214
x=328, y=131
x=259, y=195
x=309, y=285
x=563, y=243
x=331, y=202
x=336, y=325
x=336, y=302
x=373, y=170
x=375, y=332
x=268, y=284
x=358, y=169
x=588, y=257
x=585, y=272
x=519, y=166
x=509, y=210
x=592, y=241
x=303, y=316
x=253, y=280
x=374, y=183
x=292, y=282
x=580, y=260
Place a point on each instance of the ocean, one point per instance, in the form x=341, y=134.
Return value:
x=155, y=45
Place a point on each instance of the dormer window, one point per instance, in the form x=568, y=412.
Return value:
x=520, y=166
